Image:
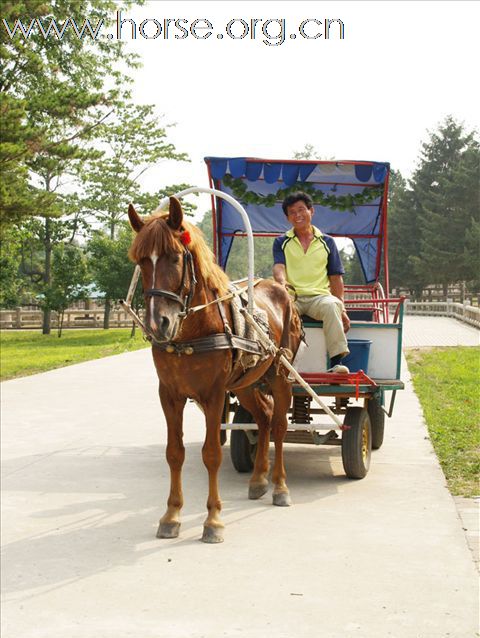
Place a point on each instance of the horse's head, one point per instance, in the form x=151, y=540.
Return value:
x=161, y=250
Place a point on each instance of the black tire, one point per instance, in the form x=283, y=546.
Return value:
x=377, y=421
x=242, y=452
x=356, y=443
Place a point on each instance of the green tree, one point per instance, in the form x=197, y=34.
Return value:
x=53, y=92
x=446, y=194
x=148, y=202
x=472, y=253
x=308, y=152
x=353, y=271
x=20, y=266
x=110, y=267
x=133, y=141
x=10, y=283
x=16, y=197
x=238, y=257
x=69, y=282
x=404, y=238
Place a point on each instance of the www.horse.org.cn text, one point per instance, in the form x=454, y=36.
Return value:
x=269, y=31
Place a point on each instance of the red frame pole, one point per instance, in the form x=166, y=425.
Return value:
x=216, y=243
x=385, y=235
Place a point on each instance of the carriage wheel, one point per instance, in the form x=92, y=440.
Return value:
x=357, y=443
x=242, y=452
x=377, y=421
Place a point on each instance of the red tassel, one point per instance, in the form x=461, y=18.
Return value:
x=185, y=237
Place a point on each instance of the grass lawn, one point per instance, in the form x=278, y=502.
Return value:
x=27, y=352
x=446, y=381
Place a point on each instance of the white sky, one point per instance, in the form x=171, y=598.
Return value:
x=402, y=67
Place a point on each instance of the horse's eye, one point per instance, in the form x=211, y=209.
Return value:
x=175, y=258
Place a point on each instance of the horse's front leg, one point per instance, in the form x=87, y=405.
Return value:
x=212, y=458
x=169, y=526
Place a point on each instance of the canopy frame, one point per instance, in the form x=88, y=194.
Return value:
x=348, y=176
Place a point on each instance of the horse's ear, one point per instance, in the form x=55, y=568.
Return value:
x=135, y=219
x=175, y=217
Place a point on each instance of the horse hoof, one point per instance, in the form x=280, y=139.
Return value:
x=212, y=535
x=168, y=530
x=282, y=499
x=256, y=491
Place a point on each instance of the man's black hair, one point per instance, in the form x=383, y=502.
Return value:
x=293, y=198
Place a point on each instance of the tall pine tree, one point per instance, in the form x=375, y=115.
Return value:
x=446, y=200
x=404, y=238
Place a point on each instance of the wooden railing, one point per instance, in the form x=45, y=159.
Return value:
x=19, y=318
x=462, y=311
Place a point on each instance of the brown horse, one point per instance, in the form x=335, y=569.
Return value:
x=178, y=272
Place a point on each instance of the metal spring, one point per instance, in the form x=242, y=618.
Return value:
x=301, y=409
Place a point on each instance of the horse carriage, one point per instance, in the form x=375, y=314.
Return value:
x=191, y=307
x=351, y=201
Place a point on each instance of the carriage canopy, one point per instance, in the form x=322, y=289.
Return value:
x=350, y=199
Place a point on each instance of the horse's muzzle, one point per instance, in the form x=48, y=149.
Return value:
x=163, y=327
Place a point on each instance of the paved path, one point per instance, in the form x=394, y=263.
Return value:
x=438, y=331
x=85, y=481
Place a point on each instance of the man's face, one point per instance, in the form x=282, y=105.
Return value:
x=300, y=216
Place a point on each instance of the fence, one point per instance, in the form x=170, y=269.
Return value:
x=20, y=318
x=462, y=311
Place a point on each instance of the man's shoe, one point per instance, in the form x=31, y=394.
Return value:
x=339, y=369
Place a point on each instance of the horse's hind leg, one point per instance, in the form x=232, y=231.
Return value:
x=282, y=394
x=260, y=407
x=169, y=526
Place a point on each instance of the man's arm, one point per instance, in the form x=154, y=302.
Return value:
x=280, y=276
x=280, y=273
x=337, y=290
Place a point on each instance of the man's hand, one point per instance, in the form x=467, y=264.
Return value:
x=345, y=321
x=291, y=290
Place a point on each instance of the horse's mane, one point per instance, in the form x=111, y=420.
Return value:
x=157, y=236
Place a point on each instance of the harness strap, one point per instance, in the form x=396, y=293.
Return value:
x=223, y=316
x=156, y=292
x=186, y=301
x=219, y=341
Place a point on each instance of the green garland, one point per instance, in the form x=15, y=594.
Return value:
x=342, y=202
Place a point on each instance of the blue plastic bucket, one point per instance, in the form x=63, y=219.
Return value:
x=359, y=354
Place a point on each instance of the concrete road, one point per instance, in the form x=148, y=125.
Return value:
x=85, y=481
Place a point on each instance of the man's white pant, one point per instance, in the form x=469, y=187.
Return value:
x=328, y=309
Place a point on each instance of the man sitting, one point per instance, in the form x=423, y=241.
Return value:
x=308, y=261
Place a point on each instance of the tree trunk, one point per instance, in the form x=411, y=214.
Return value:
x=47, y=275
x=47, y=315
x=60, y=322
x=106, y=316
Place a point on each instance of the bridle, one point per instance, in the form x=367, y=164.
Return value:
x=185, y=302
